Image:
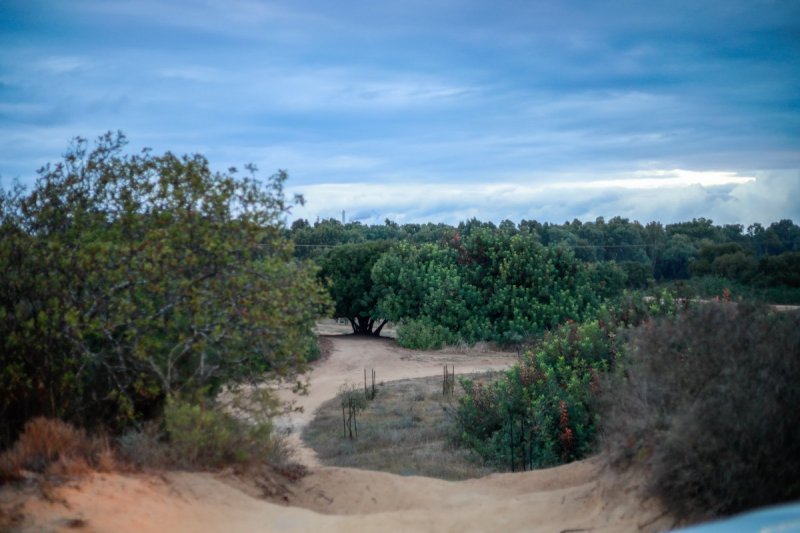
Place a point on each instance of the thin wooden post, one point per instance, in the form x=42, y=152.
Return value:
x=511, y=441
x=355, y=422
x=522, y=441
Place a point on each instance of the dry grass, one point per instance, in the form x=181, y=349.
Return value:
x=405, y=430
x=53, y=447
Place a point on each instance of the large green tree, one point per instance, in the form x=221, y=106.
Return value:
x=348, y=272
x=127, y=278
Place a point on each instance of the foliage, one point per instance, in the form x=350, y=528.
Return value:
x=549, y=396
x=490, y=285
x=348, y=271
x=201, y=435
x=423, y=334
x=129, y=278
x=708, y=403
x=545, y=410
x=713, y=287
x=445, y=286
x=779, y=270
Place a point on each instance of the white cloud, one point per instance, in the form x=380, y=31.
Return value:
x=58, y=65
x=672, y=195
x=192, y=73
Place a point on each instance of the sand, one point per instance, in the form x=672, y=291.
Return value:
x=581, y=496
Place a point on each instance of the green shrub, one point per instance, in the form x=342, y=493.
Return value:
x=544, y=411
x=708, y=403
x=129, y=278
x=197, y=433
x=424, y=334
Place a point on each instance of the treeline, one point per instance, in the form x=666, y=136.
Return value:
x=478, y=281
x=128, y=280
x=756, y=255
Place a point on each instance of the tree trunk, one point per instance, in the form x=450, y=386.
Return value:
x=365, y=326
x=378, y=331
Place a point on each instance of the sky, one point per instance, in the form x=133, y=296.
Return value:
x=435, y=110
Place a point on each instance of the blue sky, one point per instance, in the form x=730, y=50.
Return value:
x=430, y=110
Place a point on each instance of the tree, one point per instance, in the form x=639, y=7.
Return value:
x=130, y=278
x=348, y=271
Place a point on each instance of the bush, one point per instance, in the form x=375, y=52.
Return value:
x=54, y=447
x=203, y=436
x=543, y=412
x=708, y=402
x=424, y=334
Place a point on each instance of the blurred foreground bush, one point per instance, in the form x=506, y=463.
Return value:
x=708, y=403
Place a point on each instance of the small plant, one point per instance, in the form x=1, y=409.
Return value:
x=369, y=393
x=448, y=381
x=352, y=401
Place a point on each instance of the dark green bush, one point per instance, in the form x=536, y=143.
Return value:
x=708, y=403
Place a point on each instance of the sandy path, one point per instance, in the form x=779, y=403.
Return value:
x=576, y=497
x=351, y=355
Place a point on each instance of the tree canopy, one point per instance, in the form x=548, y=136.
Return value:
x=127, y=278
x=347, y=270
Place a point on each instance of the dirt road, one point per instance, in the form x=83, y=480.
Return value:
x=350, y=355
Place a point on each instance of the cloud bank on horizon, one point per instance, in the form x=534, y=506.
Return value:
x=437, y=110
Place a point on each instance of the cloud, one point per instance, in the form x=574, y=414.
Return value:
x=460, y=93
x=668, y=196
x=58, y=65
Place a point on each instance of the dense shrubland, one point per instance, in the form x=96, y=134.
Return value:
x=700, y=397
x=128, y=279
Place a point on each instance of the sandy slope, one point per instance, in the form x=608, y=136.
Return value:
x=576, y=497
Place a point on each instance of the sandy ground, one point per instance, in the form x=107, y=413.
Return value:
x=581, y=496
x=349, y=357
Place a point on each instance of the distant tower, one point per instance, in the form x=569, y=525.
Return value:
x=342, y=217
